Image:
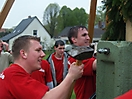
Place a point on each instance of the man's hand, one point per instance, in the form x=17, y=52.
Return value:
x=6, y=46
x=75, y=71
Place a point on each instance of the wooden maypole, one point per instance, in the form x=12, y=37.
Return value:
x=92, y=19
x=5, y=10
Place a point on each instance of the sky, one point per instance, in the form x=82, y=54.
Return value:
x=21, y=9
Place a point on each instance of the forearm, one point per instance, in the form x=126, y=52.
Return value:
x=7, y=48
x=94, y=65
x=61, y=91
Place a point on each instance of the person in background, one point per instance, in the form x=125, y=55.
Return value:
x=5, y=57
x=44, y=74
x=58, y=62
x=16, y=81
x=86, y=85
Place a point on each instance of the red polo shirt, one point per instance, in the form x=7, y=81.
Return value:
x=16, y=83
x=86, y=85
x=44, y=74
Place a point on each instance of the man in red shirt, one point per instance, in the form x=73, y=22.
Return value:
x=16, y=81
x=85, y=86
x=44, y=74
x=58, y=62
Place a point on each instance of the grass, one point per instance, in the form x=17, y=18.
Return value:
x=73, y=95
x=48, y=53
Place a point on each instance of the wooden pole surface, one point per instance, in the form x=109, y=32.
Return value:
x=92, y=19
x=128, y=31
x=5, y=10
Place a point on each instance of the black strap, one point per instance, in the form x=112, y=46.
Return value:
x=93, y=96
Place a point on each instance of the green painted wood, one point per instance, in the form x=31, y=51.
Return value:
x=114, y=71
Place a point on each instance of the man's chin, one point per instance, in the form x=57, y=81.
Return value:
x=38, y=68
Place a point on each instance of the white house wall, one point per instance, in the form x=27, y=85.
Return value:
x=41, y=32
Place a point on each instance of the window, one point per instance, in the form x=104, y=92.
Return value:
x=34, y=32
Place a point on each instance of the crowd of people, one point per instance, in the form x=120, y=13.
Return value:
x=29, y=76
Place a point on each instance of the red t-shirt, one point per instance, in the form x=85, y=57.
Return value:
x=16, y=83
x=127, y=95
x=44, y=74
x=59, y=67
x=86, y=85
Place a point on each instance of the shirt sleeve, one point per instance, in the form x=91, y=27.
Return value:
x=88, y=67
x=10, y=57
x=49, y=81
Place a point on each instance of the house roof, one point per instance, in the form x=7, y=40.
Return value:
x=20, y=28
x=97, y=32
x=64, y=32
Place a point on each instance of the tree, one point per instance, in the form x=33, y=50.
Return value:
x=100, y=15
x=65, y=18
x=46, y=44
x=50, y=18
x=81, y=16
x=68, y=17
x=6, y=33
x=118, y=12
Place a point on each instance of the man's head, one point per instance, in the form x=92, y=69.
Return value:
x=27, y=50
x=1, y=46
x=59, y=47
x=78, y=36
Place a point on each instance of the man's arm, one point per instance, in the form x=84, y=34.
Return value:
x=95, y=64
x=6, y=46
x=63, y=89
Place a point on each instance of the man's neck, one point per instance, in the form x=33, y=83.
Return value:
x=58, y=56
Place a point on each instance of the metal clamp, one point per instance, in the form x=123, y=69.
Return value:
x=104, y=50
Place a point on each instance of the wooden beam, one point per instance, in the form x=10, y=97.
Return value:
x=128, y=31
x=5, y=10
x=92, y=19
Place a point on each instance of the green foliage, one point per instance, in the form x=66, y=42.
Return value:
x=126, y=9
x=115, y=31
x=55, y=19
x=118, y=12
x=68, y=17
x=5, y=33
x=81, y=16
x=65, y=18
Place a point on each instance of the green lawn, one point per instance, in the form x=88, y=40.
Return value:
x=73, y=96
x=47, y=54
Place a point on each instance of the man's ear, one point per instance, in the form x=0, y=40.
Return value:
x=23, y=54
x=74, y=40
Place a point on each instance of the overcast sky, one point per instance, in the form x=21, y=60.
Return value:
x=21, y=9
